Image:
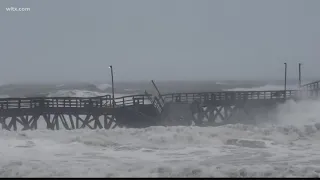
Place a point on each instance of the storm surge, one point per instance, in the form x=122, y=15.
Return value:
x=286, y=146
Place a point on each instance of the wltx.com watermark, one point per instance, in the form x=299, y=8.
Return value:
x=16, y=9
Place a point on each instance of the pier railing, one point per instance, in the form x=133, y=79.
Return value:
x=54, y=102
x=311, y=89
x=228, y=95
x=155, y=102
x=72, y=102
x=131, y=100
x=106, y=101
x=311, y=86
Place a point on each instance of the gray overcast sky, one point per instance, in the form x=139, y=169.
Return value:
x=76, y=40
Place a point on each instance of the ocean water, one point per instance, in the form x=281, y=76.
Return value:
x=286, y=146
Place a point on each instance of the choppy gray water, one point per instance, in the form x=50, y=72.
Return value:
x=93, y=89
x=286, y=146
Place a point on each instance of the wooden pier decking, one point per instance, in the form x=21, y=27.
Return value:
x=139, y=111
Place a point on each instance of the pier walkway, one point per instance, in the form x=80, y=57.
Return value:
x=142, y=110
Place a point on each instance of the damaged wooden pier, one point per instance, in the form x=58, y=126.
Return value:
x=95, y=112
x=139, y=111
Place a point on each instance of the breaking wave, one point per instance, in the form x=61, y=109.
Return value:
x=103, y=87
x=226, y=151
x=268, y=87
x=288, y=147
x=75, y=93
x=80, y=93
